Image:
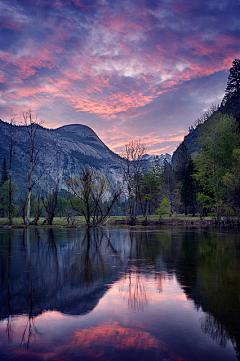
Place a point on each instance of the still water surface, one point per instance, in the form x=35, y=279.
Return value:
x=120, y=294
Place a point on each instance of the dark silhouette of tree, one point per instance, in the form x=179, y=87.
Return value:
x=232, y=91
x=51, y=204
x=231, y=101
x=182, y=162
x=38, y=206
x=184, y=174
x=189, y=188
x=4, y=172
x=4, y=178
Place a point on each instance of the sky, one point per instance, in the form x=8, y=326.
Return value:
x=128, y=69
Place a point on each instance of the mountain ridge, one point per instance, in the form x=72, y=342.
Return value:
x=64, y=151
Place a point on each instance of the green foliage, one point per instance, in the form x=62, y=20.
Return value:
x=218, y=140
x=150, y=187
x=231, y=181
x=4, y=199
x=165, y=207
x=169, y=187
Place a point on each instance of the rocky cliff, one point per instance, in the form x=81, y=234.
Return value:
x=63, y=152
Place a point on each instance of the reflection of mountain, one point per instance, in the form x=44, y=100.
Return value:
x=70, y=270
x=49, y=273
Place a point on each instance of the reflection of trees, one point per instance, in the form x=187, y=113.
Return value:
x=137, y=293
x=215, y=329
x=30, y=330
x=144, y=251
x=209, y=271
x=9, y=329
x=89, y=256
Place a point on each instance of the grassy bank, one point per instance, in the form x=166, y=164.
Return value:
x=117, y=220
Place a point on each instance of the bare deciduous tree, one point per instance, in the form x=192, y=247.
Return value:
x=94, y=196
x=133, y=167
x=10, y=189
x=32, y=125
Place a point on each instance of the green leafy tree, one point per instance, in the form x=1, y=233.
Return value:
x=217, y=141
x=150, y=186
x=231, y=181
x=164, y=208
x=169, y=187
x=4, y=205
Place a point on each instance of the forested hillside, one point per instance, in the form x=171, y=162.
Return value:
x=207, y=162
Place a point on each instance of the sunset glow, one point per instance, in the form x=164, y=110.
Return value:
x=127, y=69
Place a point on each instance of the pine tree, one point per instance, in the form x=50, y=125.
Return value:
x=188, y=188
x=231, y=98
x=182, y=161
x=184, y=171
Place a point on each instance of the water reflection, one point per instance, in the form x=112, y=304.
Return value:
x=70, y=271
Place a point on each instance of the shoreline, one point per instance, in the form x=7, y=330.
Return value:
x=165, y=222
x=139, y=223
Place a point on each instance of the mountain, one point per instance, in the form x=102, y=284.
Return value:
x=63, y=152
x=150, y=159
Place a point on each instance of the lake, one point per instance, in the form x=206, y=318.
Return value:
x=120, y=294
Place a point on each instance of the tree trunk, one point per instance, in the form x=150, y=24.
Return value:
x=28, y=207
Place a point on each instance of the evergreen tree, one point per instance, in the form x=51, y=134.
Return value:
x=4, y=179
x=231, y=101
x=184, y=175
x=4, y=175
x=182, y=162
x=233, y=83
x=189, y=189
